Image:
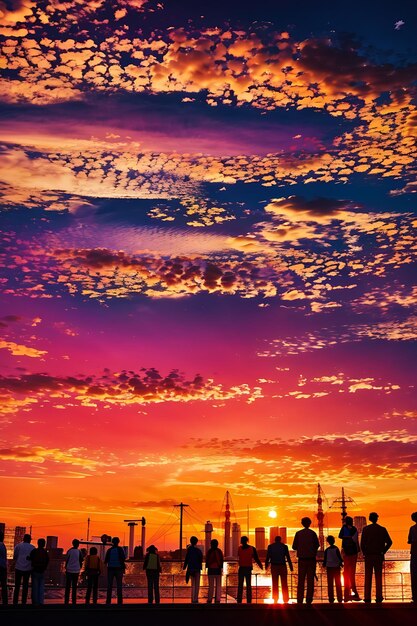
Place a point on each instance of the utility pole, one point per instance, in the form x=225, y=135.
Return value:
x=320, y=515
x=88, y=529
x=181, y=506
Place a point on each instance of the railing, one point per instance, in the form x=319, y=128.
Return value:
x=396, y=588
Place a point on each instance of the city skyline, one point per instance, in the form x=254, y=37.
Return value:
x=209, y=248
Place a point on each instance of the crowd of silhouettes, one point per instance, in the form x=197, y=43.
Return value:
x=31, y=563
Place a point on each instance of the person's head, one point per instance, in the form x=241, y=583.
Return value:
x=306, y=522
x=373, y=517
x=115, y=541
x=93, y=551
x=348, y=521
x=193, y=540
x=75, y=543
x=214, y=544
x=330, y=540
x=151, y=549
x=244, y=540
x=41, y=543
x=278, y=539
x=414, y=517
x=27, y=538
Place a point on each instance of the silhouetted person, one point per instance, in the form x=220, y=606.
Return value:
x=375, y=542
x=278, y=556
x=115, y=561
x=306, y=544
x=412, y=540
x=152, y=567
x=93, y=568
x=39, y=558
x=23, y=568
x=193, y=563
x=332, y=561
x=73, y=562
x=350, y=549
x=214, y=565
x=247, y=554
x=3, y=570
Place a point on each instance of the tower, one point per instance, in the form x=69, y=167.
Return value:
x=236, y=534
x=283, y=533
x=320, y=516
x=208, y=530
x=227, y=551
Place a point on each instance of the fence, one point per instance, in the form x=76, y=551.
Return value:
x=396, y=587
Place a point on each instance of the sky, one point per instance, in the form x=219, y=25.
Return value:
x=208, y=246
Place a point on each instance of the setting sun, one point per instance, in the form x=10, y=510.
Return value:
x=272, y=514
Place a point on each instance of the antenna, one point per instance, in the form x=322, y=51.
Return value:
x=320, y=515
x=342, y=502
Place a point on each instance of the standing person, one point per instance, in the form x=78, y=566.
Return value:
x=193, y=563
x=93, y=567
x=247, y=554
x=332, y=561
x=73, y=562
x=214, y=565
x=152, y=567
x=23, y=568
x=412, y=540
x=350, y=550
x=115, y=561
x=278, y=556
x=306, y=543
x=3, y=570
x=39, y=558
x=375, y=542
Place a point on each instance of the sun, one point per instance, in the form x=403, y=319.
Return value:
x=272, y=514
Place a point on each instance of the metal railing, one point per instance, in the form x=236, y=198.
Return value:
x=173, y=588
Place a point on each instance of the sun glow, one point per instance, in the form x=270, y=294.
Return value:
x=272, y=514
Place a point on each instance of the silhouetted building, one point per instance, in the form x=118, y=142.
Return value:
x=51, y=542
x=12, y=536
x=360, y=522
x=2, y=527
x=273, y=532
x=283, y=533
x=260, y=538
x=236, y=534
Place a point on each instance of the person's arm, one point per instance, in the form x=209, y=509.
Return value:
x=410, y=537
x=295, y=542
x=221, y=559
x=268, y=558
x=67, y=559
x=388, y=542
x=158, y=561
x=107, y=556
x=341, y=535
x=339, y=556
x=145, y=562
x=325, y=558
x=316, y=541
x=186, y=560
x=256, y=558
x=200, y=559
x=356, y=541
x=363, y=545
x=80, y=557
x=16, y=552
x=288, y=557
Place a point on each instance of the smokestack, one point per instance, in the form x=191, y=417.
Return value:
x=208, y=529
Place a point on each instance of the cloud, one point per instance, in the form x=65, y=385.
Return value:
x=119, y=390
x=296, y=208
x=39, y=454
x=20, y=350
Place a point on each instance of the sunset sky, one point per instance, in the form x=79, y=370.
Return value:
x=208, y=220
